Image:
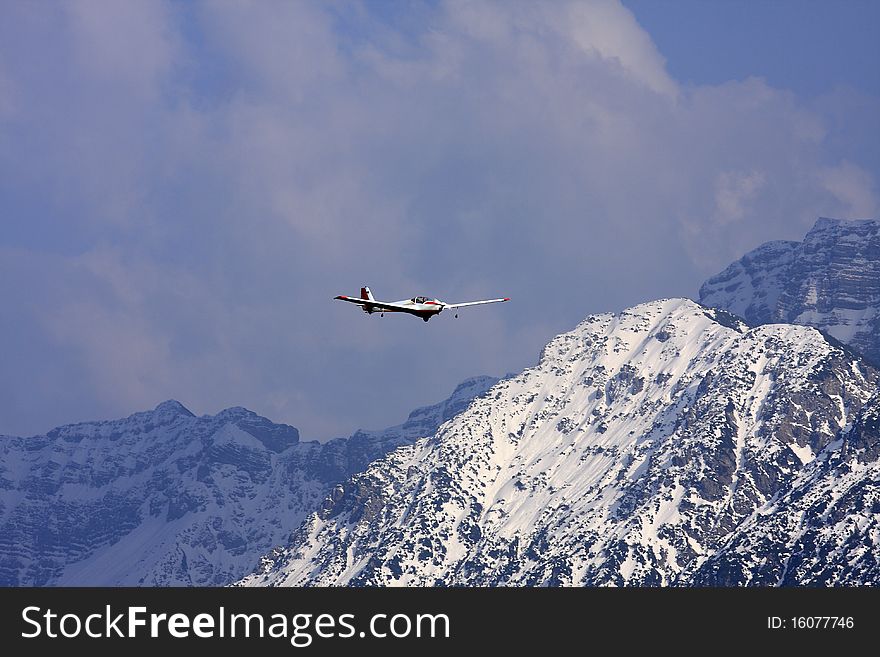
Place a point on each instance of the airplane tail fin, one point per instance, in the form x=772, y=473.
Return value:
x=366, y=294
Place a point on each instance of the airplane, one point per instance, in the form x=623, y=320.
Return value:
x=419, y=306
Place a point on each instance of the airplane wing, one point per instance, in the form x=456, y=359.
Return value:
x=391, y=307
x=475, y=303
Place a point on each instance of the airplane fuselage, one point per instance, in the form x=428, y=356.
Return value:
x=419, y=306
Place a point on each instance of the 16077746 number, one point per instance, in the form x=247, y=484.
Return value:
x=811, y=623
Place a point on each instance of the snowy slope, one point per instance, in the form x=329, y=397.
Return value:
x=167, y=498
x=831, y=281
x=640, y=447
x=824, y=528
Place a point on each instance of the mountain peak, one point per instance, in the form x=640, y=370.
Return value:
x=830, y=280
x=172, y=407
x=653, y=316
x=234, y=412
x=472, y=386
x=824, y=223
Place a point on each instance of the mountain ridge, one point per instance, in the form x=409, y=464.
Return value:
x=164, y=497
x=637, y=448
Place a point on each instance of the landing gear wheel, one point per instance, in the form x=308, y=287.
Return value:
x=426, y=318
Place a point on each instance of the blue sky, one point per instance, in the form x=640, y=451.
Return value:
x=808, y=46
x=185, y=186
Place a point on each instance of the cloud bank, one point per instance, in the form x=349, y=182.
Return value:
x=185, y=187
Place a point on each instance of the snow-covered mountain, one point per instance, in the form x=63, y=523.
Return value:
x=167, y=498
x=831, y=281
x=667, y=444
x=823, y=529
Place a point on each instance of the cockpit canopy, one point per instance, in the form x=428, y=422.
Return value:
x=419, y=299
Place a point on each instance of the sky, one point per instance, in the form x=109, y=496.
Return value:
x=185, y=186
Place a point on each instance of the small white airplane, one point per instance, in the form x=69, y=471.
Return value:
x=419, y=306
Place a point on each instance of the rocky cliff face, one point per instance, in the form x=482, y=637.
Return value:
x=669, y=444
x=167, y=498
x=831, y=281
x=824, y=527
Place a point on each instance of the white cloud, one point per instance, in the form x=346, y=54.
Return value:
x=854, y=188
x=609, y=28
x=203, y=181
x=595, y=28
x=130, y=45
x=284, y=51
x=735, y=192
